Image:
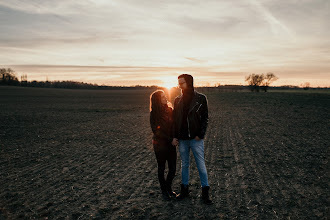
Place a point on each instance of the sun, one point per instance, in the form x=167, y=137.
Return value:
x=169, y=82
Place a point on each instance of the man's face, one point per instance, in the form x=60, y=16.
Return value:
x=182, y=83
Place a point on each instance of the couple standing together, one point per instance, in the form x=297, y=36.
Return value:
x=183, y=127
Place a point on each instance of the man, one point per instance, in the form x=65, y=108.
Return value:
x=190, y=122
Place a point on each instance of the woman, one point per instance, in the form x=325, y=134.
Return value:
x=161, y=124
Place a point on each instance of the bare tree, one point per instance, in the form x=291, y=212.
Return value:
x=254, y=81
x=268, y=79
x=8, y=77
x=3, y=73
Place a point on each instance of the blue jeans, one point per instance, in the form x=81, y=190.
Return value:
x=197, y=147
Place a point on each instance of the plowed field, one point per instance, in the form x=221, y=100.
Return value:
x=84, y=154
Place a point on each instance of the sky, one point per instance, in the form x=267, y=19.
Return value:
x=140, y=42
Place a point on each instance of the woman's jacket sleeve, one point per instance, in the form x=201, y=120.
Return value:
x=156, y=129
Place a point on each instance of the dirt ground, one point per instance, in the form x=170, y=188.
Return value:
x=85, y=154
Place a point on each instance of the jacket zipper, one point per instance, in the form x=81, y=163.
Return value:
x=188, y=127
x=188, y=117
x=198, y=107
x=192, y=108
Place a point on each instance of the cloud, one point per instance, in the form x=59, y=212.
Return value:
x=276, y=25
x=27, y=50
x=195, y=60
x=159, y=38
x=59, y=7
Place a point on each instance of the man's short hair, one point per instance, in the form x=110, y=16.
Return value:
x=189, y=79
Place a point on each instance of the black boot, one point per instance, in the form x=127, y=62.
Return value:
x=169, y=189
x=165, y=194
x=184, y=192
x=205, y=195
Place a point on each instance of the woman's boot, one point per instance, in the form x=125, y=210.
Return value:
x=169, y=189
x=205, y=195
x=184, y=192
x=165, y=194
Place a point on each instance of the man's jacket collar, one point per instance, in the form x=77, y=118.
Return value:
x=193, y=102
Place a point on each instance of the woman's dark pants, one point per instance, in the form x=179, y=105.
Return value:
x=165, y=151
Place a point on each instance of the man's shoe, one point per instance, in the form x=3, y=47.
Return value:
x=205, y=195
x=184, y=192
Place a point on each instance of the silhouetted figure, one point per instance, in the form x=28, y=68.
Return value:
x=161, y=121
x=190, y=122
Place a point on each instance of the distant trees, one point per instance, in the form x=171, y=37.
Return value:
x=257, y=81
x=8, y=77
x=306, y=85
x=61, y=84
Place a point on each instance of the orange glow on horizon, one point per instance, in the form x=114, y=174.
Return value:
x=169, y=82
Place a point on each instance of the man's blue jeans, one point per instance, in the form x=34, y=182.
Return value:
x=197, y=147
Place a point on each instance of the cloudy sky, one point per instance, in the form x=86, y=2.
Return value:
x=130, y=42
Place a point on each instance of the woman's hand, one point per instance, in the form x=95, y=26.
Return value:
x=197, y=138
x=175, y=142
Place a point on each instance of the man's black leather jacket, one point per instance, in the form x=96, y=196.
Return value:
x=197, y=116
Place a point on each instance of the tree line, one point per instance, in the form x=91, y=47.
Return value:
x=256, y=82
x=8, y=77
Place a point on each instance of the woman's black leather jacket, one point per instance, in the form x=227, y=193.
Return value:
x=162, y=125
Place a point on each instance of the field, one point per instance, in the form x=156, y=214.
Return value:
x=85, y=154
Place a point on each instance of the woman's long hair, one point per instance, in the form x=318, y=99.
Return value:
x=156, y=103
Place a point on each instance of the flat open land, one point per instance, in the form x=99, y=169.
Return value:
x=87, y=154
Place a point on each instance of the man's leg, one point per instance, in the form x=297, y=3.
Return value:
x=184, y=148
x=197, y=147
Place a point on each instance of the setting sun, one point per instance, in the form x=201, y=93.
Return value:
x=169, y=82
x=139, y=51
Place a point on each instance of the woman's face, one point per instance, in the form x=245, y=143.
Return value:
x=163, y=99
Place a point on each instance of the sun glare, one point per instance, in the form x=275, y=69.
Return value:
x=169, y=82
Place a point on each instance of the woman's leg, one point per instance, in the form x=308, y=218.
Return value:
x=171, y=160
x=160, y=152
